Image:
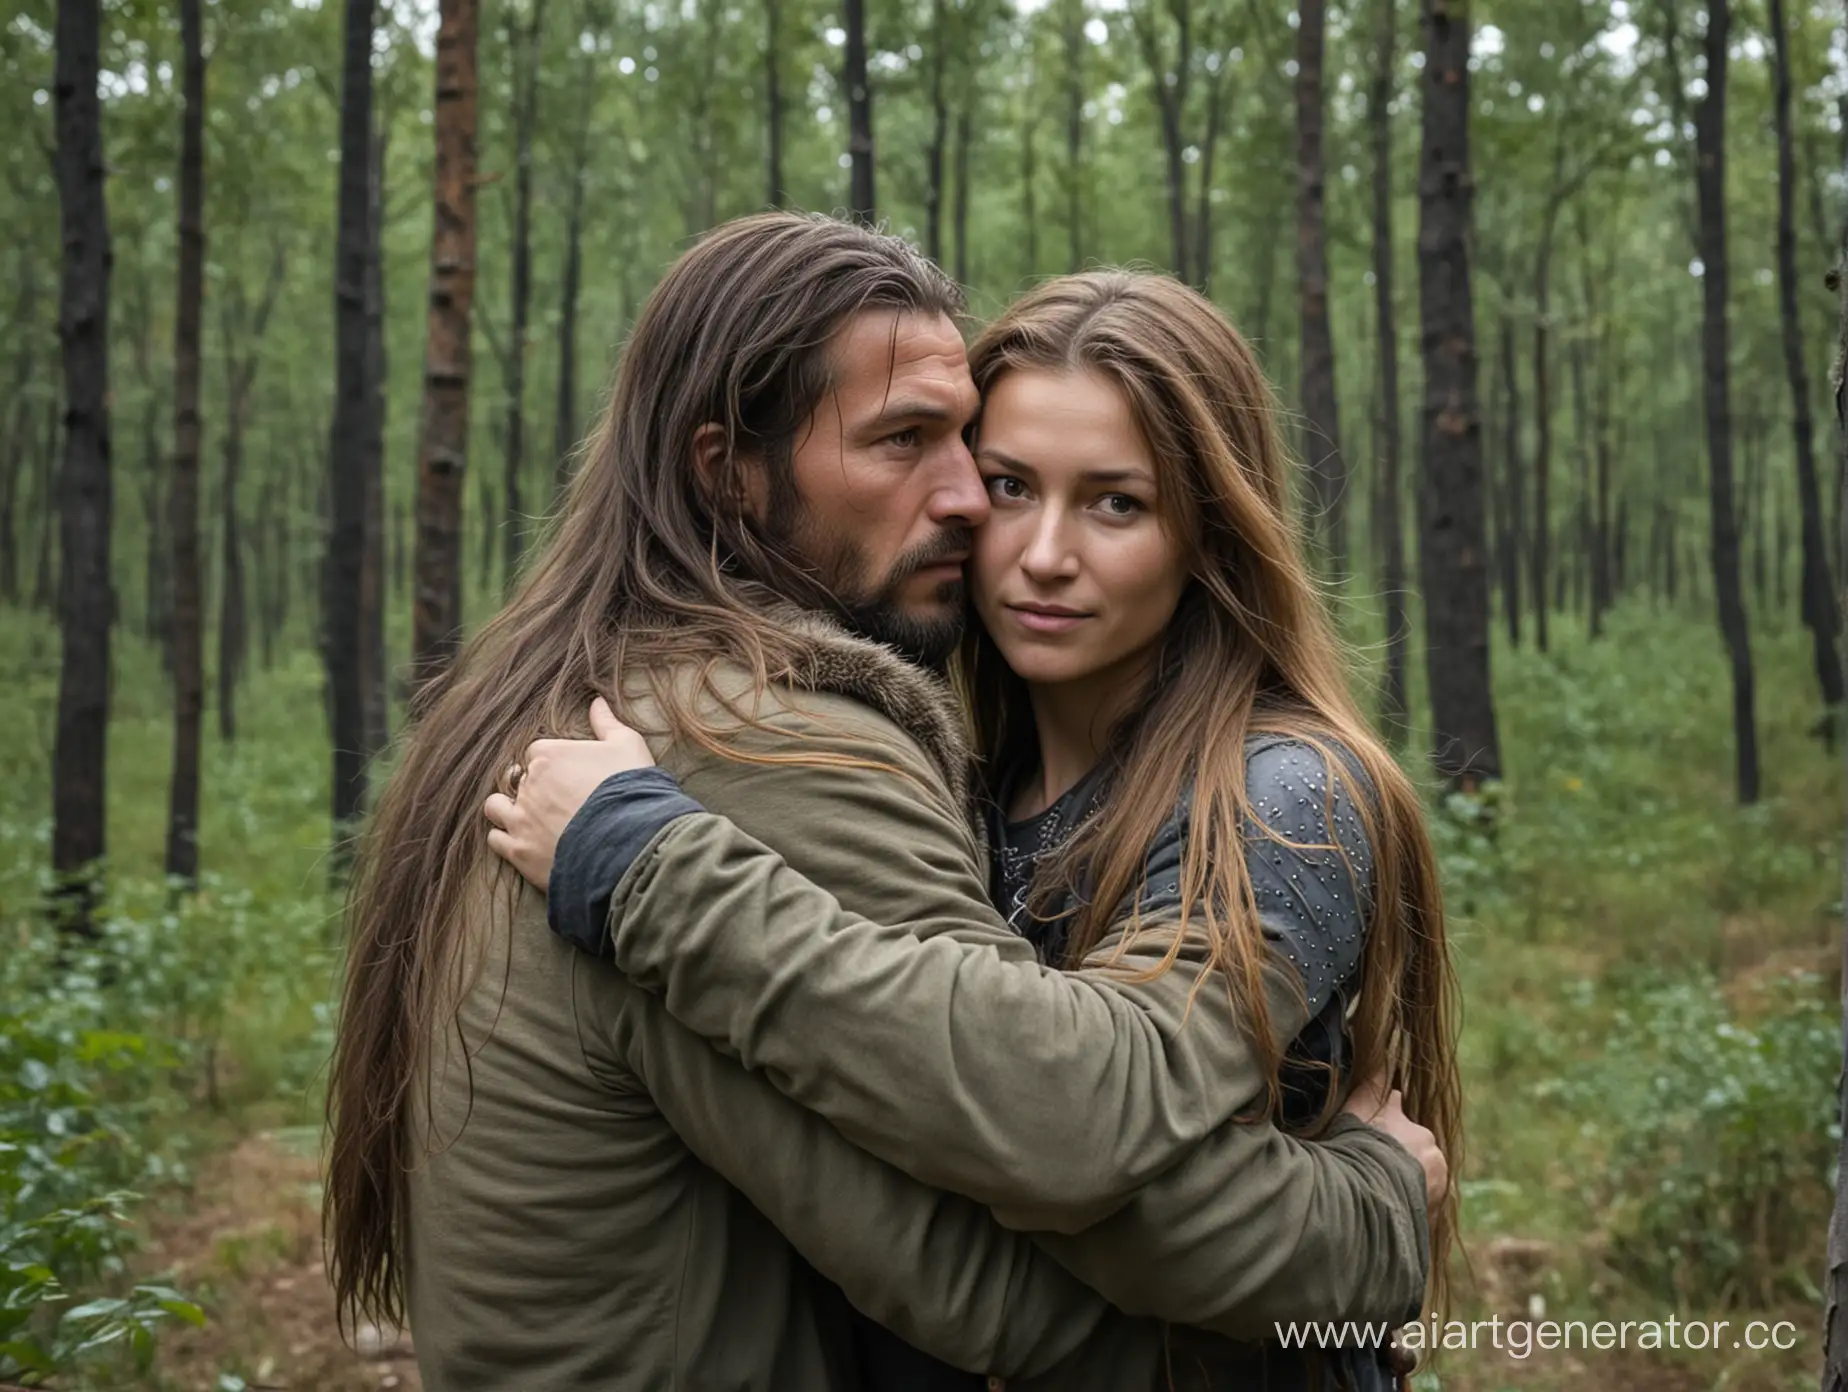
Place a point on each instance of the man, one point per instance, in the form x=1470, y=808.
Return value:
x=571, y=1190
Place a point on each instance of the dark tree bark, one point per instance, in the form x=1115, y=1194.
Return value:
x=1029, y=213
x=442, y=447
x=345, y=621
x=525, y=120
x=1389, y=524
x=1835, y=1265
x=375, y=700
x=1539, y=550
x=960, y=212
x=1072, y=37
x=777, y=193
x=79, y=764
x=1723, y=537
x=565, y=417
x=1817, y=586
x=1514, y=485
x=937, y=148
x=860, y=201
x=1467, y=749
x=1321, y=416
x=183, y=497
x=1216, y=102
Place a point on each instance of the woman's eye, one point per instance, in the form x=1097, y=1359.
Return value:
x=1006, y=486
x=1120, y=505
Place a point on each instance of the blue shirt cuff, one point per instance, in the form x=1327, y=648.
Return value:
x=600, y=844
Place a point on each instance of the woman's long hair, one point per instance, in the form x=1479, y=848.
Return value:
x=648, y=565
x=1251, y=650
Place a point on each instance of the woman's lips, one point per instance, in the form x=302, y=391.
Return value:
x=1040, y=621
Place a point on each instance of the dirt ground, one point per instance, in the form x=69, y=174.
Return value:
x=248, y=1246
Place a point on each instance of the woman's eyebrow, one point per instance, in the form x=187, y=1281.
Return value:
x=1007, y=461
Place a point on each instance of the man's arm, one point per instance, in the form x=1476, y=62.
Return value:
x=934, y=1268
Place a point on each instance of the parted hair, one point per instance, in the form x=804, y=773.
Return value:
x=1251, y=650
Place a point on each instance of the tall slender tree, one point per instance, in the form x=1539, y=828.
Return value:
x=183, y=495
x=1072, y=37
x=1321, y=414
x=79, y=763
x=442, y=446
x=858, y=89
x=345, y=624
x=776, y=191
x=1716, y=382
x=1451, y=552
x=1390, y=525
x=525, y=122
x=1816, y=587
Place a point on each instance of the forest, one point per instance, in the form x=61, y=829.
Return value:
x=309, y=304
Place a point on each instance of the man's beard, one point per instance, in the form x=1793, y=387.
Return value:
x=873, y=611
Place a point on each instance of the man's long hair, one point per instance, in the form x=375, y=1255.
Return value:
x=650, y=563
x=1251, y=650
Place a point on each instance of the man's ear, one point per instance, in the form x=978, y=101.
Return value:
x=737, y=487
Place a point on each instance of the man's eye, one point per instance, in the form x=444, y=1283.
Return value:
x=905, y=439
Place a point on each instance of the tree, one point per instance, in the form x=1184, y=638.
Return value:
x=1390, y=524
x=85, y=595
x=1321, y=416
x=345, y=624
x=183, y=497
x=241, y=333
x=1451, y=552
x=442, y=447
x=776, y=191
x=1715, y=280
x=860, y=201
x=1816, y=587
x=525, y=119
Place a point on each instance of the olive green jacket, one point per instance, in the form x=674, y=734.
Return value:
x=607, y=1201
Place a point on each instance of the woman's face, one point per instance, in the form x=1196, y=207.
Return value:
x=1074, y=574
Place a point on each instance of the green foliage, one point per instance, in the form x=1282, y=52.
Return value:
x=1721, y=1138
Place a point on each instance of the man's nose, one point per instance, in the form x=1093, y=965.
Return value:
x=960, y=496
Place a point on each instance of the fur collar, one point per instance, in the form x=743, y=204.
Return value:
x=918, y=701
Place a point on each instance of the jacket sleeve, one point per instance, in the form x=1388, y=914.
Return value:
x=933, y=1267
x=915, y=1020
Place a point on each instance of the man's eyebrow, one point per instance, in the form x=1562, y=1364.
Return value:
x=915, y=409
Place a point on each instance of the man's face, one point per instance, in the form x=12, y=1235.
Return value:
x=888, y=492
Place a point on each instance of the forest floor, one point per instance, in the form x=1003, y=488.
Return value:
x=1649, y=976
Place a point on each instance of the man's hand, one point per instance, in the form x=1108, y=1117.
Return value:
x=551, y=783
x=1385, y=1111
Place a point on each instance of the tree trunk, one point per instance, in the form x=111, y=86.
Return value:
x=375, y=699
x=1710, y=195
x=1071, y=27
x=860, y=200
x=1467, y=749
x=938, y=145
x=231, y=622
x=442, y=449
x=960, y=213
x=79, y=764
x=1817, y=586
x=1835, y=1267
x=183, y=498
x=344, y=579
x=44, y=592
x=1539, y=551
x=1390, y=525
x=526, y=115
x=1321, y=417
x=1514, y=485
x=777, y=194
x=1203, y=192
x=1029, y=214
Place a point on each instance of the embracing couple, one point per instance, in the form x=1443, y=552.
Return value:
x=981, y=942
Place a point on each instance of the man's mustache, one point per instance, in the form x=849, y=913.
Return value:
x=952, y=542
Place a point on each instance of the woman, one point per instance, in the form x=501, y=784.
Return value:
x=1177, y=784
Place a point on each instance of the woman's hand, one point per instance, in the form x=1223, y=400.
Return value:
x=1385, y=1111
x=554, y=779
